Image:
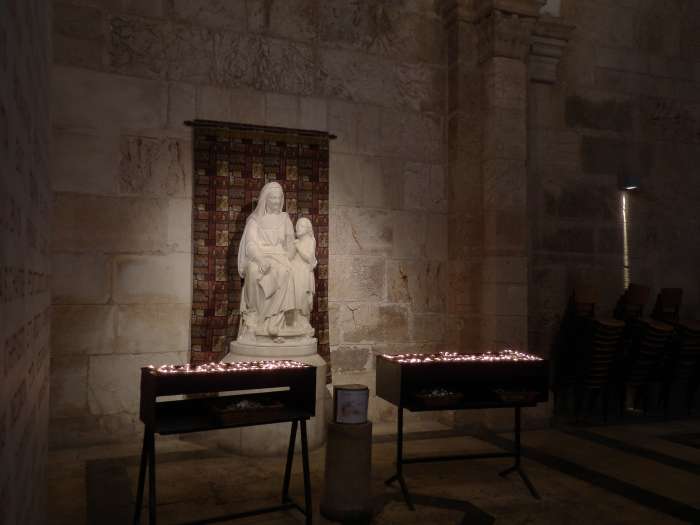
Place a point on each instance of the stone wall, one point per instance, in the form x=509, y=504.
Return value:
x=529, y=207
x=627, y=103
x=25, y=201
x=127, y=74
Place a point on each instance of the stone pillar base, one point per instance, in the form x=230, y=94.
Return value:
x=273, y=440
x=348, y=473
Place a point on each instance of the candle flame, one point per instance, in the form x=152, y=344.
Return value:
x=248, y=366
x=507, y=355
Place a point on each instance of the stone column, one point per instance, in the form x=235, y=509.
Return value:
x=489, y=44
x=489, y=41
x=465, y=202
x=550, y=37
x=505, y=29
x=547, y=120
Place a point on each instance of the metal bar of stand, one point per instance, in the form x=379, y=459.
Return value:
x=518, y=448
x=151, y=478
x=529, y=484
x=307, y=477
x=400, y=461
x=431, y=459
x=517, y=452
x=142, y=479
x=290, y=459
x=201, y=123
x=246, y=514
x=148, y=462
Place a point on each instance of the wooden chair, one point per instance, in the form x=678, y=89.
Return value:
x=641, y=366
x=632, y=302
x=597, y=364
x=630, y=308
x=682, y=367
x=668, y=305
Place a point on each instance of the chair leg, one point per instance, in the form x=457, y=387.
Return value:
x=665, y=399
x=690, y=397
x=606, y=395
x=579, y=398
x=563, y=400
x=593, y=400
x=644, y=390
x=558, y=400
x=622, y=391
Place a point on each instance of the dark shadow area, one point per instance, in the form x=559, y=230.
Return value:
x=642, y=452
x=108, y=492
x=631, y=492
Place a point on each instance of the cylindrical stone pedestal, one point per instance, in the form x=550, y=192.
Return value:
x=273, y=440
x=346, y=490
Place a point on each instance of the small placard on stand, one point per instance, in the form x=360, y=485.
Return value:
x=350, y=404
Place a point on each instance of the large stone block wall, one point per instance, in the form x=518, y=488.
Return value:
x=421, y=257
x=25, y=203
x=627, y=103
x=127, y=74
x=121, y=250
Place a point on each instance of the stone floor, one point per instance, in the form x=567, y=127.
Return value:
x=614, y=474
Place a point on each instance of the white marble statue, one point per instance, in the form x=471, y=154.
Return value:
x=275, y=302
x=303, y=265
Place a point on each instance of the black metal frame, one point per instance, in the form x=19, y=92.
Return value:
x=294, y=403
x=401, y=461
x=148, y=462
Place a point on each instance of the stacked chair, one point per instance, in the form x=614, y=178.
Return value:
x=630, y=310
x=668, y=305
x=683, y=365
x=631, y=304
x=629, y=357
x=583, y=302
x=597, y=363
x=644, y=359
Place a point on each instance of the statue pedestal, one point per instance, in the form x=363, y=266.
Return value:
x=273, y=440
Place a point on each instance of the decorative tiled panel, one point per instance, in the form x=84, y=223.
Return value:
x=231, y=167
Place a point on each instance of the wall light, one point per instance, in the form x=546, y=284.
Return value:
x=628, y=182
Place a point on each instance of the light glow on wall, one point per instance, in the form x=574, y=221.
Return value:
x=625, y=242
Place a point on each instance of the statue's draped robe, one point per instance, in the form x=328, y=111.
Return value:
x=266, y=297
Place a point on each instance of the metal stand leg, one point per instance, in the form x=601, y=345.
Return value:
x=290, y=459
x=142, y=478
x=516, y=467
x=307, y=478
x=151, y=479
x=399, y=462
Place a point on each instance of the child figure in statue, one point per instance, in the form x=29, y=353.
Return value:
x=303, y=265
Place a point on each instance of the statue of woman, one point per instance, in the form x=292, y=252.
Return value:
x=264, y=262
